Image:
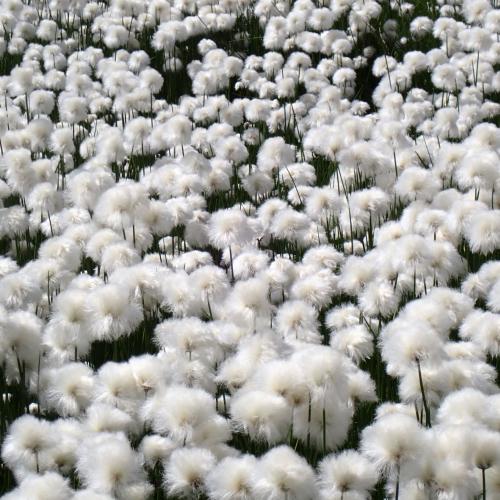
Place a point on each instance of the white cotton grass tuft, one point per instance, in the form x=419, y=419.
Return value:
x=282, y=378
x=233, y=478
x=405, y=344
x=108, y=464
x=391, y=442
x=20, y=343
x=219, y=292
x=483, y=328
x=482, y=232
x=188, y=336
x=316, y=288
x=264, y=416
x=354, y=341
x=66, y=332
x=102, y=417
x=111, y=313
x=282, y=473
x=46, y=486
x=342, y=316
x=185, y=421
x=115, y=385
x=70, y=389
x=297, y=320
x=7, y=266
x=227, y=228
x=26, y=448
x=467, y=406
x=187, y=470
x=155, y=449
x=346, y=474
x=252, y=350
x=379, y=299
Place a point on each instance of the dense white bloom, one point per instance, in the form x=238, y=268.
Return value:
x=107, y=463
x=229, y=227
x=183, y=413
x=49, y=485
x=219, y=263
x=70, y=389
x=27, y=445
x=297, y=320
x=483, y=231
x=111, y=313
x=232, y=477
x=348, y=472
x=282, y=473
x=187, y=470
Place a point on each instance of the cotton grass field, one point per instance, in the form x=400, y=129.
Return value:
x=249, y=250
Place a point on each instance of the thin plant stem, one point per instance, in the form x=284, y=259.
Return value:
x=424, y=399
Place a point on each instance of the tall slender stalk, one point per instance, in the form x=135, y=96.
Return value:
x=424, y=399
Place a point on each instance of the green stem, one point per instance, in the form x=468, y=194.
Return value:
x=483, y=474
x=397, y=481
x=231, y=262
x=424, y=399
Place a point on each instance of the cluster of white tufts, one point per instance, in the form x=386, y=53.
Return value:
x=249, y=250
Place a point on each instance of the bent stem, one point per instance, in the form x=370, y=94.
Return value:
x=424, y=399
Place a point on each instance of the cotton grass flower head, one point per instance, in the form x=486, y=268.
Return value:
x=482, y=231
x=252, y=351
x=70, y=389
x=276, y=377
x=265, y=417
x=169, y=413
x=48, y=485
x=323, y=256
x=273, y=154
x=282, y=473
x=115, y=385
x=354, y=341
x=250, y=262
x=232, y=477
x=249, y=299
x=379, y=299
x=289, y=224
x=403, y=344
x=102, y=417
x=347, y=473
x=483, y=328
x=27, y=445
x=317, y=289
x=298, y=320
x=391, y=442
x=227, y=228
x=415, y=183
x=156, y=449
x=187, y=470
x=21, y=342
x=466, y=406
x=188, y=336
x=19, y=289
x=107, y=463
x=118, y=255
